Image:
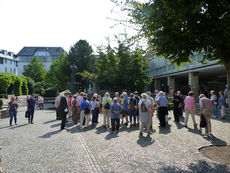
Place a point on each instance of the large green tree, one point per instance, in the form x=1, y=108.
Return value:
x=179, y=29
x=80, y=59
x=35, y=70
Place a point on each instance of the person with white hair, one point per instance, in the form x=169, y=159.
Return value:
x=106, y=106
x=206, y=111
x=162, y=103
x=213, y=99
x=221, y=104
x=145, y=110
x=116, y=110
x=64, y=109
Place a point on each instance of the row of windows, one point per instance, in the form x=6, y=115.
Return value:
x=41, y=58
x=10, y=70
x=6, y=60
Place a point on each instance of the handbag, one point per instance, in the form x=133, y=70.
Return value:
x=87, y=110
x=203, y=122
x=27, y=114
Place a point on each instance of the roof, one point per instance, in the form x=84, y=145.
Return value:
x=30, y=51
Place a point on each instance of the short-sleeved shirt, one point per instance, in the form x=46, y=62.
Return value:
x=84, y=104
x=205, y=103
x=189, y=103
x=163, y=101
x=125, y=103
x=31, y=103
x=13, y=106
x=214, y=99
x=79, y=100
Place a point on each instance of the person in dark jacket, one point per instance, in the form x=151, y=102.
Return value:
x=64, y=109
x=31, y=102
x=176, y=101
x=116, y=110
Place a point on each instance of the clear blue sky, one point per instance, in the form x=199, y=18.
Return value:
x=56, y=23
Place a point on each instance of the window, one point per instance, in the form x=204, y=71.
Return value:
x=10, y=61
x=24, y=67
x=14, y=71
x=1, y=60
x=10, y=70
x=6, y=61
x=5, y=69
x=41, y=53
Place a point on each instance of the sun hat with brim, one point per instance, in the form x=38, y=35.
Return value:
x=67, y=92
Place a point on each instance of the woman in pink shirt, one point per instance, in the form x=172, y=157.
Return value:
x=189, y=108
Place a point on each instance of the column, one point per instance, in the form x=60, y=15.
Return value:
x=157, y=84
x=171, y=83
x=193, y=81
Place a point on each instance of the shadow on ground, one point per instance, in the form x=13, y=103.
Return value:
x=200, y=166
x=145, y=141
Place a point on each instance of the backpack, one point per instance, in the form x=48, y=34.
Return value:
x=87, y=110
x=143, y=107
x=107, y=105
x=132, y=104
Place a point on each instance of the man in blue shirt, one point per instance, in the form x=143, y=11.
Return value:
x=84, y=113
x=30, y=108
x=125, y=108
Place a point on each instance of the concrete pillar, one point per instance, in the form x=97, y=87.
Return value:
x=193, y=81
x=157, y=84
x=171, y=83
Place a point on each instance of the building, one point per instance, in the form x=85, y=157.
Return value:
x=8, y=62
x=46, y=55
x=195, y=76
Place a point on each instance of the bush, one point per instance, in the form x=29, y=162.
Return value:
x=24, y=86
x=4, y=96
x=39, y=88
x=1, y=104
x=51, y=92
x=18, y=87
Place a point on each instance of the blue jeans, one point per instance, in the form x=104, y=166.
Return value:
x=13, y=114
x=95, y=117
x=214, y=109
x=132, y=115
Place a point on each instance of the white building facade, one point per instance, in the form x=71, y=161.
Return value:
x=8, y=62
x=46, y=55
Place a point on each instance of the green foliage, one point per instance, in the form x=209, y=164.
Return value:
x=4, y=96
x=80, y=58
x=59, y=74
x=17, y=87
x=51, y=92
x=6, y=79
x=39, y=88
x=1, y=103
x=24, y=86
x=35, y=70
x=30, y=85
x=124, y=69
x=180, y=29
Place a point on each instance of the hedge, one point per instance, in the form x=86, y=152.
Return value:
x=51, y=92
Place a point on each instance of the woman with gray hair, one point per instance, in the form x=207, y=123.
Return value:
x=145, y=111
x=162, y=104
x=116, y=110
x=106, y=105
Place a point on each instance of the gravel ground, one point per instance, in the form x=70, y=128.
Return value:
x=42, y=147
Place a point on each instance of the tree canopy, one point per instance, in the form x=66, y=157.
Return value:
x=35, y=70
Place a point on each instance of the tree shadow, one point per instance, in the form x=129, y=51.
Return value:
x=47, y=122
x=111, y=136
x=50, y=134
x=199, y=167
x=145, y=141
x=165, y=130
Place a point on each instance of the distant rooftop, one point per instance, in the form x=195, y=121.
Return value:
x=30, y=51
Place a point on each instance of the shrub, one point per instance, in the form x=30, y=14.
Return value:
x=39, y=88
x=17, y=87
x=1, y=103
x=51, y=92
x=4, y=96
x=24, y=86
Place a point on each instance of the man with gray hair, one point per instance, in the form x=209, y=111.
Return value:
x=116, y=110
x=206, y=111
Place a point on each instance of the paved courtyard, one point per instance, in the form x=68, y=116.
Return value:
x=42, y=147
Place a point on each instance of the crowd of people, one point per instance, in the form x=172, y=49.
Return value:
x=134, y=109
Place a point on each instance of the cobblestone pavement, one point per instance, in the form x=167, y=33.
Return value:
x=42, y=147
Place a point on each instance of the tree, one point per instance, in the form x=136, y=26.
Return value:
x=58, y=75
x=80, y=58
x=179, y=29
x=35, y=70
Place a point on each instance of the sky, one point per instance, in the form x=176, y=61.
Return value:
x=57, y=23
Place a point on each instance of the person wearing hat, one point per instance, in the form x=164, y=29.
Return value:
x=64, y=109
x=30, y=108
